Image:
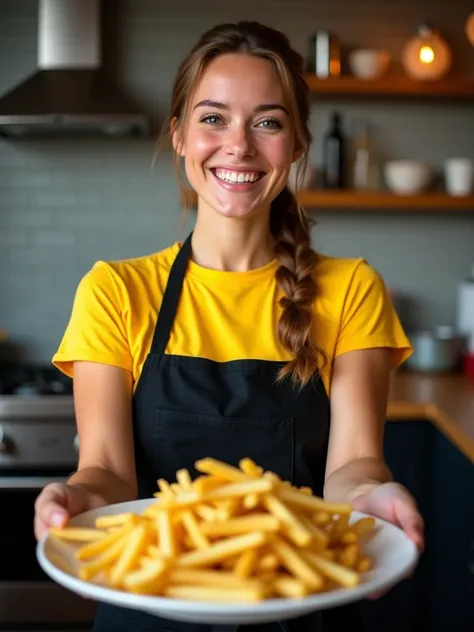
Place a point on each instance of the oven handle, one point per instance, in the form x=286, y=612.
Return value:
x=29, y=482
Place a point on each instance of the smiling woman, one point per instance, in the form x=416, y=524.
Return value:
x=242, y=341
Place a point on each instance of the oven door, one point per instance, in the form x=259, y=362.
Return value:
x=28, y=598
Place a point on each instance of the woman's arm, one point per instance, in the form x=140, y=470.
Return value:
x=356, y=470
x=103, y=398
x=359, y=394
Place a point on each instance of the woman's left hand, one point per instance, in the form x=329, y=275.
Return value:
x=394, y=503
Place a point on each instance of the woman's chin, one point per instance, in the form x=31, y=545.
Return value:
x=238, y=209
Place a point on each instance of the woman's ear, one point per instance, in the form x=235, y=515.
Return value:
x=297, y=153
x=177, y=137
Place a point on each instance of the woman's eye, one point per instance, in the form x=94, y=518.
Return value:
x=271, y=123
x=212, y=119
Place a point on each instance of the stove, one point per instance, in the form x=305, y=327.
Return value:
x=38, y=445
x=31, y=379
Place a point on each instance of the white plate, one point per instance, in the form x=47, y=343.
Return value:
x=394, y=558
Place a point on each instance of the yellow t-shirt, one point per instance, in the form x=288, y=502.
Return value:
x=223, y=316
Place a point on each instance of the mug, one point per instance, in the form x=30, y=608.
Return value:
x=458, y=176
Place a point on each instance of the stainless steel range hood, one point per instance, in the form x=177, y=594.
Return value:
x=70, y=94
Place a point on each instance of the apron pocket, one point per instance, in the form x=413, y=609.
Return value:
x=181, y=438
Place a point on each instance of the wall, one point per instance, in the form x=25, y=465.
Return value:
x=64, y=204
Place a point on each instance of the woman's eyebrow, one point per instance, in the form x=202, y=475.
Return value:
x=264, y=107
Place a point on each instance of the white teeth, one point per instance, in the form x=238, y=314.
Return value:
x=234, y=176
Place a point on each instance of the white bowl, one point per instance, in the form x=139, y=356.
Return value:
x=366, y=63
x=407, y=177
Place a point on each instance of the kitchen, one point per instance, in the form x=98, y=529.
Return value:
x=67, y=201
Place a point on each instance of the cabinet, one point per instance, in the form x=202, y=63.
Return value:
x=452, y=539
x=441, y=591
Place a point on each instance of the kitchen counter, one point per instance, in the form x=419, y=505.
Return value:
x=447, y=401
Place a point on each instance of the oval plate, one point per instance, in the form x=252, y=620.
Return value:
x=394, y=558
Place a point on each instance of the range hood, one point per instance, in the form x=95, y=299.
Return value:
x=70, y=94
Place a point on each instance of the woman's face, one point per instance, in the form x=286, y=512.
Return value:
x=239, y=141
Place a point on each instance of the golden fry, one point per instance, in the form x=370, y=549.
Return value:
x=294, y=497
x=258, y=485
x=199, y=577
x=207, y=513
x=167, y=535
x=211, y=593
x=336, y=572
x=242, y=524
x=251, y=501
x=250, y=467
x=115, y=520
x=349, y=556
x=363, y=526
x=184, y=479
x=321, y=518
x=221, y=469
x=99, y=546
x=297, y=565
x=129, y=555
x=90, y=569
x=78, y=534
x=221, y=550
x=193, y=530
x=227, y=509
x=364, y=565
x=148, y=580
x=294, y=529
x=290, y=587
x=246, y=563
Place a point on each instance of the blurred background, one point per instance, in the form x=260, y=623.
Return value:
x=390, y=180
x=67, y=201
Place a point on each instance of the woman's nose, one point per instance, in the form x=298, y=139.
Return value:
x=239, y=143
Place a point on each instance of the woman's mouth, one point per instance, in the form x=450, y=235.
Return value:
x=237, y=180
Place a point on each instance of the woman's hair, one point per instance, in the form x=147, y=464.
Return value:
x=289, y=224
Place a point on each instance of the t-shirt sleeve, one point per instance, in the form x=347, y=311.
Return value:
x=369, y=318
x=96, y=330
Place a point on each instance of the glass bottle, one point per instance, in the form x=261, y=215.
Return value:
x=364, y=167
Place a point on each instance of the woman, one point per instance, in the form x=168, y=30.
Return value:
x=242, y=341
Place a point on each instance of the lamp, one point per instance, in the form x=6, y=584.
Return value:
x=426, y=55
x=470, y=29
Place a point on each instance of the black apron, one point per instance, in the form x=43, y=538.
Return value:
x=186, y=408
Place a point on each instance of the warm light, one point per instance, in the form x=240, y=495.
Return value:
x=470, y=29
x=426, y=54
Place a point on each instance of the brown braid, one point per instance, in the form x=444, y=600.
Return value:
x=295, y=277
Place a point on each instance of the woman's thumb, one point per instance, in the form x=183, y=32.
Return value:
x=59, y=503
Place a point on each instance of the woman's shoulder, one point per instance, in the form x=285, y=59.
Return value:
x=336, y=274
x=127, y=273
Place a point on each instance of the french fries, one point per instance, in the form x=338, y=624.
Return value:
x=234, y=534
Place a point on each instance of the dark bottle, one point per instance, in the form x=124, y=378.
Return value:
x=334, y=155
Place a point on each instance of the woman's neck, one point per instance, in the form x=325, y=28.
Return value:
x=233, y=244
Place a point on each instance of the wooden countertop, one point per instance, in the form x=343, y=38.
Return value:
x=447, y=401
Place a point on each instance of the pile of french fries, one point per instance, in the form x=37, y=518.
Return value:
x=233, y=534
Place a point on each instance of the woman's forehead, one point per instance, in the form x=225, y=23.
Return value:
x=237, y=79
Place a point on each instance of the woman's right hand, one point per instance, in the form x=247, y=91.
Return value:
x=58, y=502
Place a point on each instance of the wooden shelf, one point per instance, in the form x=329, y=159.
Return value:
x=383, y=201
x=391, y=86
x=380, y=201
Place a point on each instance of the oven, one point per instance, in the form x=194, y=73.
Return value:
x=38, y=445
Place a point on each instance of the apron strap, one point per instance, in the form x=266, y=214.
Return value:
x=170, y=301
